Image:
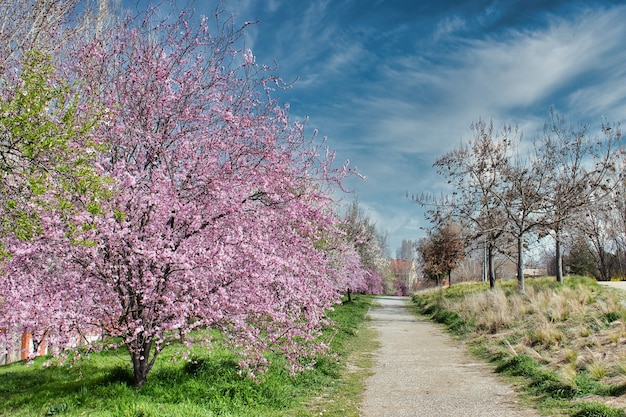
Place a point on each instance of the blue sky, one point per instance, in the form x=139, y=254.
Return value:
x=394, y=84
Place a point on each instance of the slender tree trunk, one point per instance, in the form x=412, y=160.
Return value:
x=602, y=269
x=449, y=278
x=520, y=264
x=559, y=259
x=491, y=269
x=349, y=295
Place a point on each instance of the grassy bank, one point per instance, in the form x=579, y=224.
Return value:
x=564, y=344
x=208, y=386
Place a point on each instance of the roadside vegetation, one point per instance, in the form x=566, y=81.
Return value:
x=563, y=344
x=207, y=385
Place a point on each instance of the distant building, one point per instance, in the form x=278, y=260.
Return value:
x=22, y=348
x=535, y=272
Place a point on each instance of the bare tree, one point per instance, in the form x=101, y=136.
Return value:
x=581, y=171
x=498, y=190
x=475, y=172
x=505, y=189
x=608, y=220
x=526, y=181
x=48, y=25
x=594, y=224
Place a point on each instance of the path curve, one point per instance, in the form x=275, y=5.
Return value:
x=421, y=371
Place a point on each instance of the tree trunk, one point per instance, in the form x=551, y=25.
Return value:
x=603, y=265
x=559, y=259
x=491, y=270
x=349, y=295
x=449, y=278
x=141, y=363
x=520, y=264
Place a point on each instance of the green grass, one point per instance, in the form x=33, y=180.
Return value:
x=561, y=343
x=597, y=410
x=208, y=386
x=342, y=396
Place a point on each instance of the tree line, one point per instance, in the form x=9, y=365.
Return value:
x=564, y=186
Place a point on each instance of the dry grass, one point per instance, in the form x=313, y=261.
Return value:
x=576, y=330
x=495, y=313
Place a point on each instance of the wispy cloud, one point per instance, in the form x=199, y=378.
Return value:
x=515, y=75
x=393, y=88
x=448, y=26
x=423, y=107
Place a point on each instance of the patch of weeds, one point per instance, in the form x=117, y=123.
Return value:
x=587, y=385
x=597, y=370
x=611, y=316
x=597, y=410
x=571, y=355
x=542, y=381
x=455, y=323
x=57, y=409
x=135, y=410
x=452, y=320
x=521, y=365
x=617, y=390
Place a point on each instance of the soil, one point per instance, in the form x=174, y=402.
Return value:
x=421, y=371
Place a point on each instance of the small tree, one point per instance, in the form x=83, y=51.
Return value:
x=580, y=260
x=440, y=252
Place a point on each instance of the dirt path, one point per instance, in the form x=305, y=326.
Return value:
x=420, y=371
x=614, y=284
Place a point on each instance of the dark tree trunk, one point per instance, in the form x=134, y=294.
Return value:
x=603, y=265
x=559, y=259
x=520, y=264
x=491, y=269
x=142, y=362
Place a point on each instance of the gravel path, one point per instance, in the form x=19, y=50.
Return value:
x=420, y=371
x=615, y=284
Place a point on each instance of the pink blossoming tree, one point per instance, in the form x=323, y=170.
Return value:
x=218, y=208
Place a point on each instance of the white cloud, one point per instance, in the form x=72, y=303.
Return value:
x=495, y=78
x=449, y=26
x=411, y=108
x=609, y=101
x=422, y=108
x=525, y=68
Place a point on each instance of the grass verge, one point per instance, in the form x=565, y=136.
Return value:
x=208, y=386
x=564, y=344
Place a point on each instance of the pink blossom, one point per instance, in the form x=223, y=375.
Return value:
x=219, y=210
